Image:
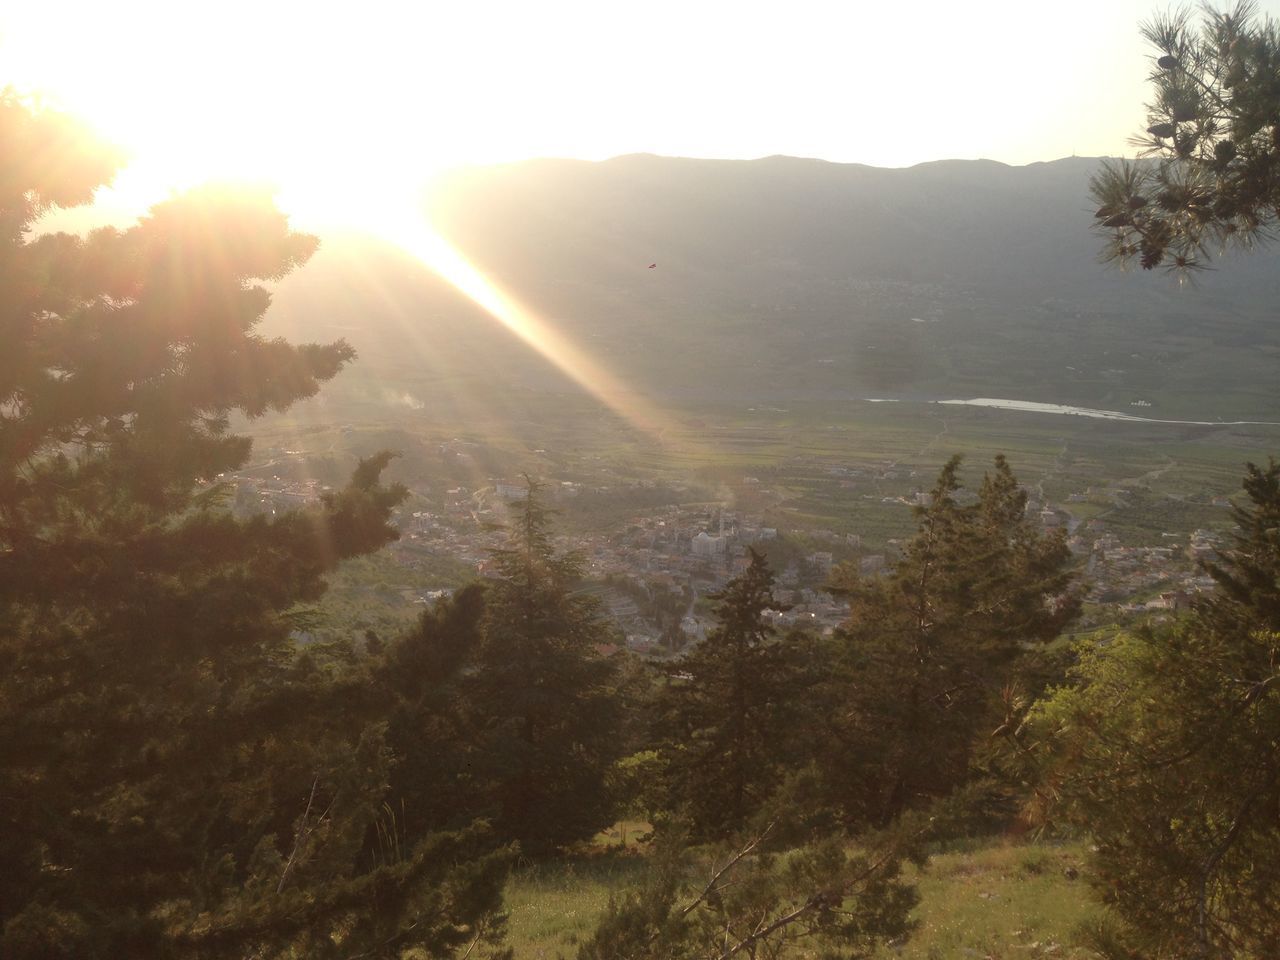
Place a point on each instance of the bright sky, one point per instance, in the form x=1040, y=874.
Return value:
x=339, y=102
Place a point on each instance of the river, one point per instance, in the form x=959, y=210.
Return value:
x=1031, y=406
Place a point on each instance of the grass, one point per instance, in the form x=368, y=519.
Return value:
x=552, y=906
x=999, y=902
x=990, y=900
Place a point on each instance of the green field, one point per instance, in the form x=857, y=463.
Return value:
x=838, y=466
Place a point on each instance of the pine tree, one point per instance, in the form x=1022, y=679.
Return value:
x=723, y=717
x=1164, y=750
x=433, y=729
x=1247, y=576
x=543, y=697
x=175, y=779
x=1213, y=140
x=929, y=647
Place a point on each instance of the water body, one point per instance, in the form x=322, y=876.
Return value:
x=1031, y=406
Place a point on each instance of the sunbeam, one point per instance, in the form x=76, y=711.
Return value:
x=421, y=241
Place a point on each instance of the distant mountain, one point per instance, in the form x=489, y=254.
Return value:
x=791, y=278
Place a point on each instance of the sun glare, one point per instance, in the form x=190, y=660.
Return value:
x=425, y=244
x=327, y=109
x=346, y=119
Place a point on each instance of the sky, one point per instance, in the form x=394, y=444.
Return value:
x=336, y=103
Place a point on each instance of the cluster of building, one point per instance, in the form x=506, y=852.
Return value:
x=671, y=557
x=1139, y=580
x=276, y=495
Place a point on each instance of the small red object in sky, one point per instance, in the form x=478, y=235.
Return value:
x=652, y=265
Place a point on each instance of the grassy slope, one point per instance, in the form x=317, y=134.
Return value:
x=997, y=901
x=552, y=906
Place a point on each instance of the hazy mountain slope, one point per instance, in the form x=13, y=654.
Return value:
x=786, y=277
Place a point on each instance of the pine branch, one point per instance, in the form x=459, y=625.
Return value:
x=713, y=883
x=820, y=901
x=299, y=835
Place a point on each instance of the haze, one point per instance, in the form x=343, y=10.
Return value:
x=338, y=104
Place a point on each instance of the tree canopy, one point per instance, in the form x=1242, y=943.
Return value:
x=177, y=779
x=542, y=695
x=726, y=711
x=1212, y=177
x=1163, y=747
x=931, y=649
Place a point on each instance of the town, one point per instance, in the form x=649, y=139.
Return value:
x=654, y=570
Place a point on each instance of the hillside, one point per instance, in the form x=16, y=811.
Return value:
x=785, y=278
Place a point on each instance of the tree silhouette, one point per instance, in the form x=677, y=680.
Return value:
x=176, y=780
x=542, y=696
x=722, y=716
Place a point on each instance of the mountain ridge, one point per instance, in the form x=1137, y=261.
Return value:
x=787, y=276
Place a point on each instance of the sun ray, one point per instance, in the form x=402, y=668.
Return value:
x=427, y=245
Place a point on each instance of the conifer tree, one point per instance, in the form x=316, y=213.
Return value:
x=542, y=695
x=434, y=731
x=175, y=779
x=929, y=647
x=723, y=716
x=1247, y=575
x=1164, y=750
